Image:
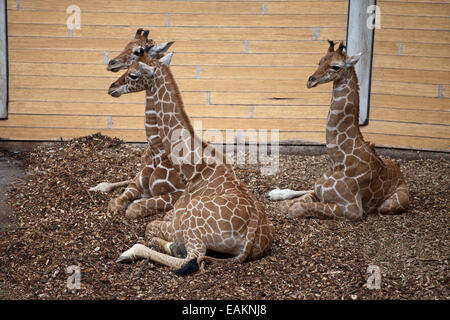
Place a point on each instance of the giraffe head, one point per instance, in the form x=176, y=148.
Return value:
x=333, y=65
x=140, y=74
x=131, y=52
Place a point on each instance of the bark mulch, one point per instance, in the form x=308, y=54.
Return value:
x=60, y=224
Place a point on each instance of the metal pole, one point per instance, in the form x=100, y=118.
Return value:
x=360, y=35
x=3, y=62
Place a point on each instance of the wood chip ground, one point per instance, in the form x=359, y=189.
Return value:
x=59, y=224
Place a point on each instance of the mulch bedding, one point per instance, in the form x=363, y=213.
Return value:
x=59, y=224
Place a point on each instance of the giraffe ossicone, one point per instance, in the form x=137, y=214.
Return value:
x=216, y=211
x=359, y=181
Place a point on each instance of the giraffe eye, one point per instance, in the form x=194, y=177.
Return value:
x=133, y=76
x=138, y=52
x=335, y=68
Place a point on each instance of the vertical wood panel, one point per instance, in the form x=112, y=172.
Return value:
x=3, y=63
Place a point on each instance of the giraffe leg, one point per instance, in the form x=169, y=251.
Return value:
x=168, y=216
x=263, y=241
x=139, y=251
x=108, y=187
x=306, y=198
x=285, y=194
x=145, y=207
x=195, y=249
x=120, y=203
x=396, y=203
x=161, y=234
x=160, y=229
x=176, y=249
x=349, y=212
x=132, y=192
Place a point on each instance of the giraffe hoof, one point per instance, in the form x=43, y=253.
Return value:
x=124, y=259
x=114, y=207
x=177, y=249
x=190, y=267
x=130, y=213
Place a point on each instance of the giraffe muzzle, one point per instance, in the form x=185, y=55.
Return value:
x=312, y=82
x=115, y=91
x=115, y=65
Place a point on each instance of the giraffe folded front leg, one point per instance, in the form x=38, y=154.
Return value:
x=285, y=205
x=133, y=191
x=306, y=198
x=169, y=215
x=396, y=203
x=151, y=206
x=120, y=204
x=350, y=212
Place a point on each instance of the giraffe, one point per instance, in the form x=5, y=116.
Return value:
x=217, y=211
x=123, y=61
x=157, y=186
x=359, y=181
x=131, y=51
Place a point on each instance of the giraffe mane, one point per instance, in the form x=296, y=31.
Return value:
x=368, y=143
x=183, y=110
x=178, y=97
x=352, y=70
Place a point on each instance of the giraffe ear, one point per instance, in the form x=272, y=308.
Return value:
x=166, y=59
x=351, y=61
x=159, y=49
x=146, y=69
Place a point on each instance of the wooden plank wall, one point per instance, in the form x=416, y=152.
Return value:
x=411, y=73
x=239, y=64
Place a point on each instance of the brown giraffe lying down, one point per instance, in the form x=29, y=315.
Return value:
x=359, y=181
x=217, y=211
x=157, y=186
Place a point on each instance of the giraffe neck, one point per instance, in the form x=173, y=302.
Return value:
x=342, y=133
x=188, y=153
x=152, y=133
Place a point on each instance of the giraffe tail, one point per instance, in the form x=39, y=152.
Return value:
x=195, y=264
x=108, y=187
